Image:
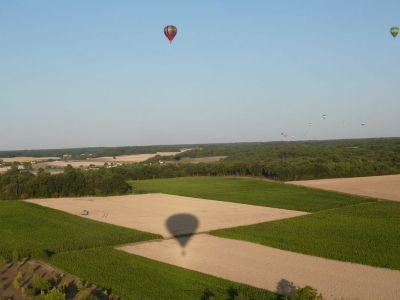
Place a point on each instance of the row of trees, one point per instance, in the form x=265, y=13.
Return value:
x=15, y=184
x=283, y=160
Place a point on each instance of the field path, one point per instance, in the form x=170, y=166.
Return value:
x=382, y=187
x=273, y=269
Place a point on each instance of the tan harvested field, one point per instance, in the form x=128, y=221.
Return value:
x=22, y=159
x=4, y=169
x=265, y=267
x=381, y=187
x=149, y=212
x=134, y=158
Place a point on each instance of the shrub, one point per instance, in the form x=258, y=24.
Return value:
x=305, y=293
x=17, y=281
x=2, y=262
x=31, y=269
x=15, y=256
x=54, y=294
x=29, y=291
x=241, y=296
x=207, y=294
x=87, y=295
x=40, y=284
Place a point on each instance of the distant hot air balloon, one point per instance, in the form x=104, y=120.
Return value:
x=170, y=32
x=394, y=31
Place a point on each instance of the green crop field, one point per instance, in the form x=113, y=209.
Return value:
x=367, y=233
x=134, y=277
x=85, y=248
x=248, y=191
x=32, y=230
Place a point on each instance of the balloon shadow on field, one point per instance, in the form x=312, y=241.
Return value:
x=285, y=288
x=182, y=226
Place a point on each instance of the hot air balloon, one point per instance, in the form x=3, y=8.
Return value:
x=394, y=31
x=170, y=32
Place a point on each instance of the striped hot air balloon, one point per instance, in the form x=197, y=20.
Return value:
x=170, y=32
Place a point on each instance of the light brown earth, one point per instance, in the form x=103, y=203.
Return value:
x=382, y=187
x=4, y=169
x=22, y=159
x=149, y=212
x=135, y=158
x=264, y=267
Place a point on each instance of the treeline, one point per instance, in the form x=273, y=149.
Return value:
x=281, y=160
x=94, y=151
x=15, y=184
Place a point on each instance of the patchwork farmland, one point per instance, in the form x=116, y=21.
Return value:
x=282, y=236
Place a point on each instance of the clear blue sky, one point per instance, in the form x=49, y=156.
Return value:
x=101, y=73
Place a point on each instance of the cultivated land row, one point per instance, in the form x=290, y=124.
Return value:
x=340, y=227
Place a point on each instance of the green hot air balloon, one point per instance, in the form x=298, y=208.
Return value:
x=394, y=31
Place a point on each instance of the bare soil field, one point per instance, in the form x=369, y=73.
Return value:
x=381, y=187
x=272, y=269
x=135, y=158
x=151, y=212
x=22, y=159
x=4, y=169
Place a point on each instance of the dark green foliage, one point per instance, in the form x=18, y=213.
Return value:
x=30, y=230
x=305, y=293
x=72, y=183
x=367, y=233
x=40, y=284
x=281, y=160
x=54, y=294
x=17, y=281
x=248, y=191
x=134, y=277
x=29, y=291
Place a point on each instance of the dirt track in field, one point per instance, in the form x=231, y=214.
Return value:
x=271, y=268
x=150, y=212
x=381, y=187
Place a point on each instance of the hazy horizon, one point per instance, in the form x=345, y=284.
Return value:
x=79, y=74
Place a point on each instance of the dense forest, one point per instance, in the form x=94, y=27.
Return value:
x=15, y=184
x=274, y=160
x=281, y=160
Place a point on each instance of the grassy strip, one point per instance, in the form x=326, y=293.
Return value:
x=33, y=230
x=367, y=234
x=133, y=277
x=248, y=191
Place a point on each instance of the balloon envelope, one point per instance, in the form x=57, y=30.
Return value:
x=170, y=32
x=394, y=31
